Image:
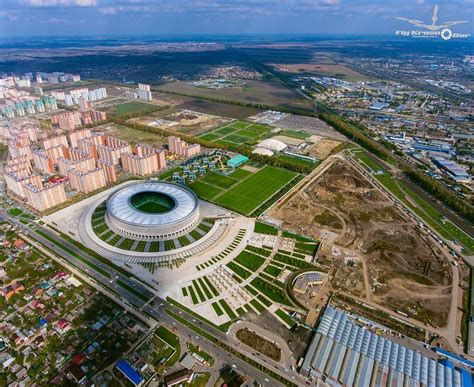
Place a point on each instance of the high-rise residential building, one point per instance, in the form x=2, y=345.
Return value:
x=109, y=170
x=68, y=120
x=55, y=141
x=182, y=148
x=38, y=90
x=16, y=183
x=18, y=151
x=77, y=135
x=146, y=164
x=86, y=182
x=144, y=92
x=56, y=152
x=58, y=94
x=45, y=197
x=43, y=161
x=112, y=149
x=76, y=154
x=83, y=165
x=76, y=77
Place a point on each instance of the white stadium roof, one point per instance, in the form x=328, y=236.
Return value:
x=119, y=205
x=263, y=151
x=272, y=144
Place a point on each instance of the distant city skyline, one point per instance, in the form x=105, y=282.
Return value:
x=220, y=17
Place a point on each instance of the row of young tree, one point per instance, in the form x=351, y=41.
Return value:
x=354, y=131
x=242, y=149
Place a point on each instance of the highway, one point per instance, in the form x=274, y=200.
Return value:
x=157, y=307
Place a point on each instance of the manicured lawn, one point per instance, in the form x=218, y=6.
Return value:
x=205, y=191
x=272, y=270
x=240, y=174
x=254, y=191
x=299, y=263
x=228, y=310
x=273, y=292
x=217, y=309
x=249, y=260
x=263, y=228
x=219, y=180
x=172, y=340
x=285, y=317
x=241, y=272
x=297, y=160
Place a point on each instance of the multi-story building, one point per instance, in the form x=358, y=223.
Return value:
x=146, y=164
x=83, y=165
x=43, y=161
x=76, y=154
x=55, y=141
x=16, y=183
x=144, y=92
x=86, y=182
x=77, y=135
x=112, y=149
x=67, y=121
x=42, y=198
x=182, y=148
x=109, y=170
x=56, y=152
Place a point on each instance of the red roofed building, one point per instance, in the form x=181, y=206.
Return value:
x=19, y=243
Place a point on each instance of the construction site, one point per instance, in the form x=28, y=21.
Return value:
x=375, y=253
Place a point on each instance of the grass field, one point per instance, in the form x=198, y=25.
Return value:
x=423, y=209
x=252, y=192
x=239, y=132
x=297, y=160
x=242, y=191
x=130, y=107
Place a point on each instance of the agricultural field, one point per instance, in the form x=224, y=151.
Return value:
x=244, y=193
x=257, y=92
x=368, y=237
x=219, y=109
x=237, y=133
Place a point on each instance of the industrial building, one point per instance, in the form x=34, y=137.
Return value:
x=346, y=350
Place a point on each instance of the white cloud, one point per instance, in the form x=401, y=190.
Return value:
x=60, y=3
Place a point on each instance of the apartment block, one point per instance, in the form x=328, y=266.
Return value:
x=45, y=197
x=43, y=161
x=21, y=151
x=140, y=165
x=56, y=152
x=76, y=154
x=109, y=170
x=182, y=148
x=86, y=182
x=55, y=141
x=82, y=165
x=77, y=135
x=16, y=183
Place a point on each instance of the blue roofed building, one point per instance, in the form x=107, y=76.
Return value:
x=345, y=351
x=237, y=161
x=130, y=373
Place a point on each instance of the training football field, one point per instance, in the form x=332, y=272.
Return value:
x=247, y=192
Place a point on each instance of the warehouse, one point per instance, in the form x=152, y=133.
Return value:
x=344, y=351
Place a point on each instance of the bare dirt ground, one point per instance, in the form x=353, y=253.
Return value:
x=182, y=120
x=393, y=265
x=323, y=148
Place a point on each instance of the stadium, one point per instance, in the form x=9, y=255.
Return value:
x=152, y=211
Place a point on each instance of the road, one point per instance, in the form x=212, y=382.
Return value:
x=157, y=308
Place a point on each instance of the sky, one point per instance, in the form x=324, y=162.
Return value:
x=222, y=17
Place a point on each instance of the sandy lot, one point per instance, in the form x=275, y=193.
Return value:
x=323, y=148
